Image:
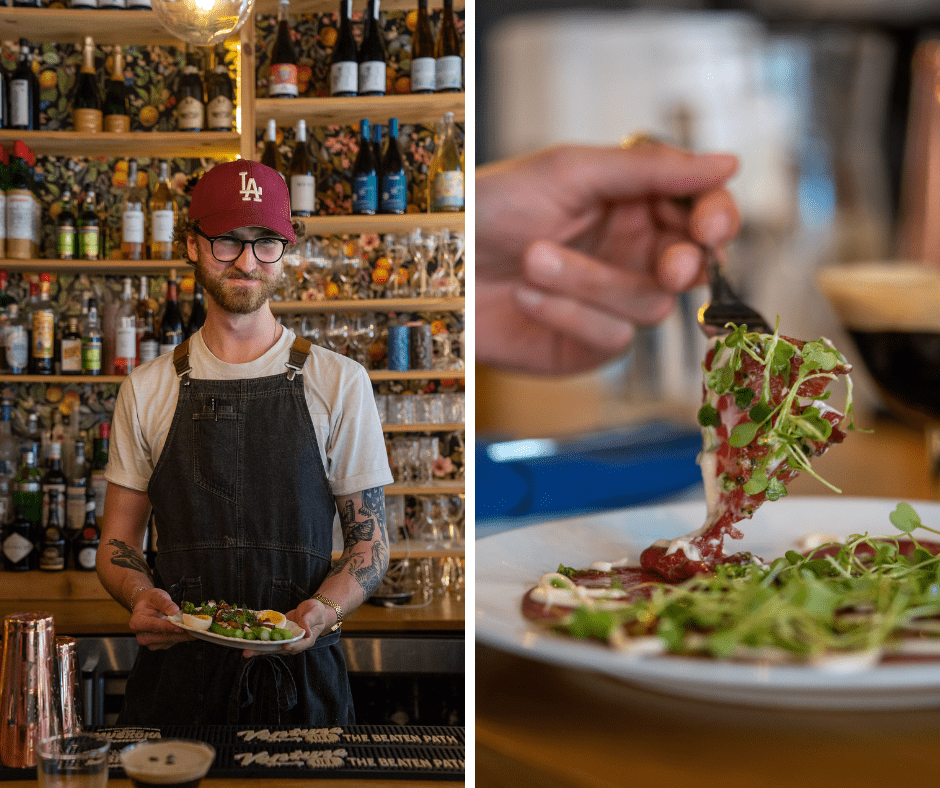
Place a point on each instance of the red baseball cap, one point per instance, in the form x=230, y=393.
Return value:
x=242, y=193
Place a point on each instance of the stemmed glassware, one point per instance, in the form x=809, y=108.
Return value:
x=347, y=271
x=313, y=327
x=422, y=245
x=444, y=281
x=444, y=356
x=396, y=250
x=362, y=335
x=337, y=332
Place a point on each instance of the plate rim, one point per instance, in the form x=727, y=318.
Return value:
x=241, y=645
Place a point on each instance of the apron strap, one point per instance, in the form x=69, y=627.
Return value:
x=257, y=676
x=181, y=361
x=298, y=356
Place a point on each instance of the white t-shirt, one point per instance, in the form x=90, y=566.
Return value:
x=338, y=394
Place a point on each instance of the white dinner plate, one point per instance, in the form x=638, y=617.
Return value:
x=509, y=563
x=241, y=645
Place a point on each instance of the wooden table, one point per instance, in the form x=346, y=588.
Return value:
x=542, y=725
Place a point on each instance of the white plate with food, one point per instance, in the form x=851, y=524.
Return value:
x=510, y=563
x=196, y=626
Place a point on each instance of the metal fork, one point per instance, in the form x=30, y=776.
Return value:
x=724, y=305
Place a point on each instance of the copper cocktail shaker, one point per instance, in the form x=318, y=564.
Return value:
x=27, y=714
x=66, y=687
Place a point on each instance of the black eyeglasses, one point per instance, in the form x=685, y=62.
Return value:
x=228, y=248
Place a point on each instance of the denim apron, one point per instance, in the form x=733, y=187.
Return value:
x=244, y=513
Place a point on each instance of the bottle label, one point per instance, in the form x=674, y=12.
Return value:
x=100, y=486
x=394, y=193
x=117, y=123
x=149, y=350
x=219, y=112
x=192, y=114
x=75, y=508
x=302, y=193
x=19, y=102
x=423, y=71
x=17, y=347
x=448, y=72
x=372, y=77
x=448, y=189
x=365, y=194
x=86, y=557
x=3, y=209
x=344, y=77
x=125, y=345
x=71, y=356
x=52, y=557
x=91, y=356
x=88, y=242
x=19, y=214
x=43, y=334
x=161, y=226
x=87, y=120
x=132, y=227
x=66, y=242
x=16, y=547
x=283, y=80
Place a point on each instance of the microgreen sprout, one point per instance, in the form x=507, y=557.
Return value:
x=861, y=595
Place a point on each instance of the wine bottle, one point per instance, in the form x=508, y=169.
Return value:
x=197, y=316
x=271, y=154
x=220, y=94
x=16, y=342
x=88, y=228
x=70, y=349
x=149, y=344
x=371, y=57
x=67, y=240
x=19, y=212
x=191, y=113
x=91, y=341
x=377, y=155
x=344, y=65
x=4, y=100
x=449, y=66
x=132, y=216
x=423, y=64
x=163, y=214
x=445, y=175
x=394, y=197
x=171, y=326
x=365, y=186
x=125, y=332
x=24, y=93
x=86, y=98
x=43, y=319
x=117, y=117
x=282, y=82
x=302, y=179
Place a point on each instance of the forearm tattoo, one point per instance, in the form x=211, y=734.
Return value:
x=367, y=570
x=126, y=556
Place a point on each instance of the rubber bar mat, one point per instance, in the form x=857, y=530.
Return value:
x=359, y=752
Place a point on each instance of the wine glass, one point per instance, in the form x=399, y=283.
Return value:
x=444, y=356
x=396, y=250
x=361, y=337
x=337, y=333
x=347, y=270
x=444, y=281
x=422, y=246
x=313, y=327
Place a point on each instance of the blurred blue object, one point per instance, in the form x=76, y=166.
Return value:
x=605, y=470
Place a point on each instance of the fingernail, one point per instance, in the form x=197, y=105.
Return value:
x=530, y=298
x=545, y=261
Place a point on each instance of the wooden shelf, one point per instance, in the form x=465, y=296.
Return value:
x=415, y=374
x=417, y=549
x=269, y=7
x=370, y=305
x=407, y=107
x=68, y=26
x=92, y=267
x=59, y=379
x=109, y=144
x=435, y=488
x=423, y=427
x=382, y=223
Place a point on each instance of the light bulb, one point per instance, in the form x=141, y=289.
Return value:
x=202, y=22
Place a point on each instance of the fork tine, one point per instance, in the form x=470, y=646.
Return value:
x=725, y=307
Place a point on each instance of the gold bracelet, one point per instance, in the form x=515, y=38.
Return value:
x=134, y=596
x=339, y=610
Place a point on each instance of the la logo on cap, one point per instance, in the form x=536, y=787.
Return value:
x=250, y=189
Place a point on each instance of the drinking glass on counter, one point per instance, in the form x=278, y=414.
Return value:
x=167, y=762
x=73, y=761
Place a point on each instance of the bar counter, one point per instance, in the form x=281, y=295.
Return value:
x=80, y=606
x=540, y=725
